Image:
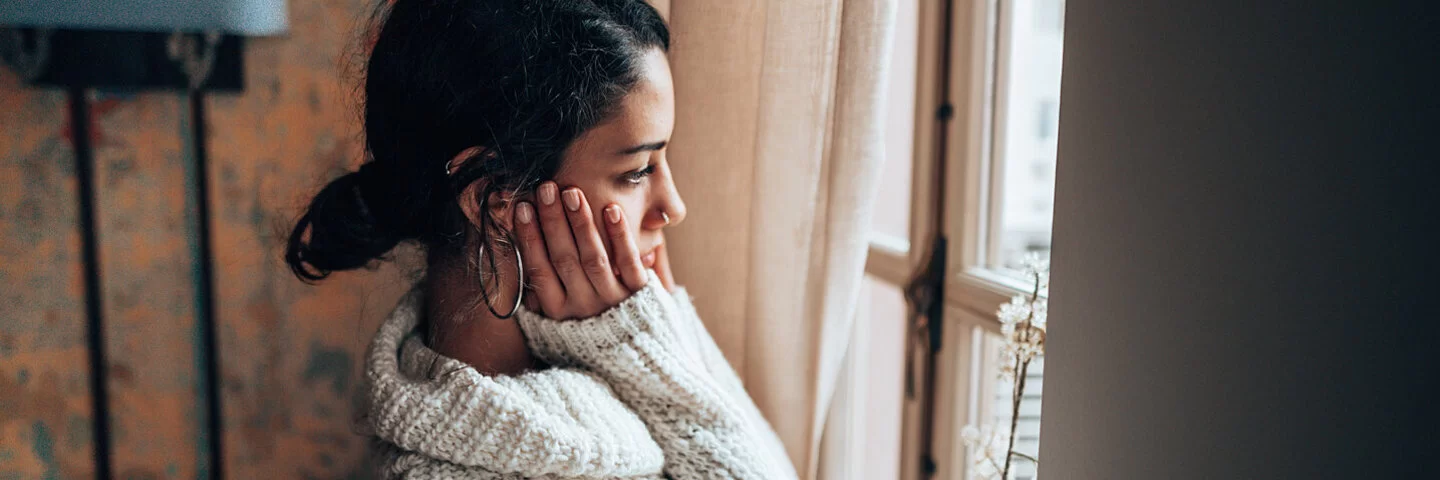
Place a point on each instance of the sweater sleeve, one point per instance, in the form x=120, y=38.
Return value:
x=719, y=367
x=704, y=427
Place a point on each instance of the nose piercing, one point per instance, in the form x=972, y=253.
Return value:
x=666, y=217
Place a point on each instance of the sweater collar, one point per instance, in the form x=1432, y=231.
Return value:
x=441, y=408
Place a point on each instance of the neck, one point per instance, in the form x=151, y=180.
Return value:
x=460, y=325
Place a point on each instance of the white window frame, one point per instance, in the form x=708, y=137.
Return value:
x=972, y=291
x=978, y=61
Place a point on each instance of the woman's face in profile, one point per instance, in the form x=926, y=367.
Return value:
x=623, y=161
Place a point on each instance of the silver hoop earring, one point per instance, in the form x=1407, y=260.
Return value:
x=519, y=292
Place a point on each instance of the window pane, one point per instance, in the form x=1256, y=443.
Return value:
x=882, y=308
x=892, y=203
x=1029, y=97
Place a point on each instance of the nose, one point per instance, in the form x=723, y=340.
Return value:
x=666, y=203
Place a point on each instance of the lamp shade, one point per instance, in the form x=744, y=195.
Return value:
x=237, y=17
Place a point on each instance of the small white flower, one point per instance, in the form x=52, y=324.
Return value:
x=1035, y=263
x=987, y=447
x=1038, y=313
x=1007, y=369
x=984, y=470
x=970, y=435
x=1016, y=311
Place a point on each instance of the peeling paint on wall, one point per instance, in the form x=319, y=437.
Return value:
x=289, y=352
x=44, y=386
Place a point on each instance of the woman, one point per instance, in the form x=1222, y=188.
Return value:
x=522, y=143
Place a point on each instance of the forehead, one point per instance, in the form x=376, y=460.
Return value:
x=646, y=114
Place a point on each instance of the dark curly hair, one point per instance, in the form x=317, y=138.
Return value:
x=520, y=78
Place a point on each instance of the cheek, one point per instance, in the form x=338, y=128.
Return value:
x=633, y=206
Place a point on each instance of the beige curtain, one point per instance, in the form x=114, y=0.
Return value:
x=777, y=150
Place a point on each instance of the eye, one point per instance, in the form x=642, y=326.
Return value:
x=637, y=176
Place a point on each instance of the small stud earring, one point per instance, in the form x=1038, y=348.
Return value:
x=452, y=166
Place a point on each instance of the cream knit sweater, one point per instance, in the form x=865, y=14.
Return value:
x=639, y=391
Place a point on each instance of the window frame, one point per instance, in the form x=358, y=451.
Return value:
x=978, y=67
x=960, y=204
x=974, y=290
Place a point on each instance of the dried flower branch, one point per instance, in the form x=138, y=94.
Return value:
x=1022, y=324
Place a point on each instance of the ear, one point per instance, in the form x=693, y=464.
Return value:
x=498, y=205
x=470, y=201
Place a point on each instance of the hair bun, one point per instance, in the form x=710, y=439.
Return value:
x=344, y=232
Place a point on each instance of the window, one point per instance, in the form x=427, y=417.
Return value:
x=1027, y=84
x=996, y=72
x=1049, y=119
x=1005, y=78
x=1049, y=16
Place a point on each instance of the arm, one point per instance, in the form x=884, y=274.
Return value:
x=705, y=429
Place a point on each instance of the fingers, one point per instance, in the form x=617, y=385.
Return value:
x=548, y=292
x=593, y=259
x=560, y=242
x=627, y=257
x=571, y=269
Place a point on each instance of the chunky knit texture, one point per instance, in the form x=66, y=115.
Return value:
x=639, y=391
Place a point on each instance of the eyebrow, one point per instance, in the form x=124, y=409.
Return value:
x=644, y=147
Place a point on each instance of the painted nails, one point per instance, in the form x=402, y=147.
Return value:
x=525, y=213
x=570, y=196
x=612, y=213
x=572, y=199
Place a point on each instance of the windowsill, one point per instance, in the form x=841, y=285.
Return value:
x=982, y=291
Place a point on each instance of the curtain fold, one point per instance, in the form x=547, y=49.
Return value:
x=777, y=151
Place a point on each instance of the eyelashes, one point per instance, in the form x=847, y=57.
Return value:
x=636, y=177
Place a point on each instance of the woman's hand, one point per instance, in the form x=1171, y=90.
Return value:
x=568, y=269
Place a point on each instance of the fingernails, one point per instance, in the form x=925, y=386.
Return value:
x=572, y=199
x=547, y=193
x=524, y=213
x=612, y=213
